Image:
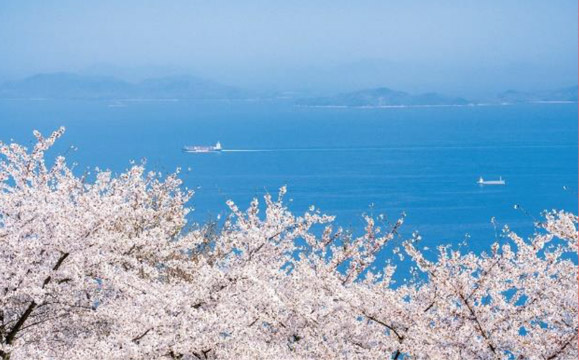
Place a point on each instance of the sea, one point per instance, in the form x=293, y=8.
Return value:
x=348, y=162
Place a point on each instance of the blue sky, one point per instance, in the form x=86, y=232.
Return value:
x=457, y=46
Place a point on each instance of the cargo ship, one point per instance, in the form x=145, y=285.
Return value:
x=203, y=149
x=482, y=181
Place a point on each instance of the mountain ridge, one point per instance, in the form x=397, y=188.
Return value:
x=64, y=85
x=68, y=85
x=569, y=93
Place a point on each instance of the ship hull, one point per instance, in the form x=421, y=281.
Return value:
x=201, y=151
x=491, y=182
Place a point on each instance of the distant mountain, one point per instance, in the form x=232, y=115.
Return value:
x=74, y=86
x=564, y=94
x=65, y=85
x=383, y=97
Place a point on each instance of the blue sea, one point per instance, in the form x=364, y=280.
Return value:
x=346, y=161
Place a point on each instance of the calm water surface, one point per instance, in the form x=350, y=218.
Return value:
x=423, y=161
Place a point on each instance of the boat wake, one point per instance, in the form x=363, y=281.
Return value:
x=293, y=150
x=218, y=148
x=249, y=150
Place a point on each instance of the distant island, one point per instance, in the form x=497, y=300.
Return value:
x=567, y=94
x=386, y=97
x=64, y=85
x=383, y=97
x=74, y=86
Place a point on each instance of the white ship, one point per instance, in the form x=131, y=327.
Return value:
x=203, y=149
x=482, y=181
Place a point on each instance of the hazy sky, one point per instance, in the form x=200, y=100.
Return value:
x=456, y=46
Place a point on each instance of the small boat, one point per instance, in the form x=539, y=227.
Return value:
x=482, y=181
x=203, y=149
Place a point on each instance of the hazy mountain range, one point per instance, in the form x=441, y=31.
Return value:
x=564, y=94
x=74, y=86
x=96, y=87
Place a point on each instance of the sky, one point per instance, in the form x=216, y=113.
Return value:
x=456, y=46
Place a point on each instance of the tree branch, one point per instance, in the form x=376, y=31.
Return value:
x=12, y=334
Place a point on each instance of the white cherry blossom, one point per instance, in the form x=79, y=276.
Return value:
x=104, y=266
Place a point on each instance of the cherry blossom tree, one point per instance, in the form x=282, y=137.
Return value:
x=105, y=267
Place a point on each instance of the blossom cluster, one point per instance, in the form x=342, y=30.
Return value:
x=104, y=266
